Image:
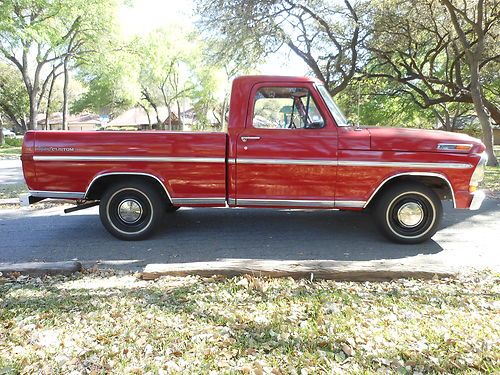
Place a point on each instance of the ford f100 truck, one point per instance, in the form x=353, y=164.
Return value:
x=287, y=146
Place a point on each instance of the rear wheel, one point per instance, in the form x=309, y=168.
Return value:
x=131, y=210
x=408, y=213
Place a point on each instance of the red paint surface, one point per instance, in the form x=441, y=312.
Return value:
x=251, y=181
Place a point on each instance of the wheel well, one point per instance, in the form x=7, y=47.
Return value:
x=99, y=185
x=439, y=185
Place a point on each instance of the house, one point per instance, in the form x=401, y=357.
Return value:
x=469, y=124
x=138, y=119
x=80, y=122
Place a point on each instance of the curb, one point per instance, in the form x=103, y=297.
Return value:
x=37, y=269
x=384, y=270
x=10, y=201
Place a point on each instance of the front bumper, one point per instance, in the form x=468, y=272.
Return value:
x=477, y=200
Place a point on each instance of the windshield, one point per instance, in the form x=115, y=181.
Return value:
x=334, y=110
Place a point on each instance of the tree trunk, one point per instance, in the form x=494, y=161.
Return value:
x=65, y=95
x=33, y=95
x=158, y=121
x=179, y=120
x=223, y=115
x=33, y=110
x=49, y=102
x=169, y=125
x=482, y=114
x=150, y=124
x=2, y=139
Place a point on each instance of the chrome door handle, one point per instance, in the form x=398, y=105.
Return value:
x=244, y=139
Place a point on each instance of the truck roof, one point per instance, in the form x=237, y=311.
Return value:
x=253, y=79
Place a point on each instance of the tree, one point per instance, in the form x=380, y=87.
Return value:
x=111, y=80
x=471, y=24
x=414, y=46
x=376, y=101
x=326, y=35
x=14, y=102
x=37, y=33
x=168, y=61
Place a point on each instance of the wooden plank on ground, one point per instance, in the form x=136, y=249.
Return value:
x=38, y=269
x=380, y=270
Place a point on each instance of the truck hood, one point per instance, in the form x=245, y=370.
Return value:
x=404, y=139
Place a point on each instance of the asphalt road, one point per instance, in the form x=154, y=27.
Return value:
x=11, y=172
x=467, y=238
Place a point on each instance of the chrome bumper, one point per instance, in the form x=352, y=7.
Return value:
x=34, y=196
x=477, y=200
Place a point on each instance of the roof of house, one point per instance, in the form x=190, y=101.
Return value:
x=82, y=118
x=138, y=116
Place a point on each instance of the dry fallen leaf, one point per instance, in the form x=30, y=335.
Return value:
x=347, y=349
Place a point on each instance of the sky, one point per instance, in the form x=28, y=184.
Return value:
x=143, y=16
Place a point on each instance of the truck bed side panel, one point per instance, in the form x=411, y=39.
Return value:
x=190, y=165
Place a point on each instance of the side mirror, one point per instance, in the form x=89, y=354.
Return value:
x=315, y=125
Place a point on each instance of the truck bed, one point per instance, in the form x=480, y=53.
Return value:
x=189, y=164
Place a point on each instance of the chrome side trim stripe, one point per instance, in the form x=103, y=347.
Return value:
x=300, y=203
x=403, y=164
x=350, y=204
x=286, y=161
x=57, y=194
x=154, y=159
x=351, y=163
x=188, y=201
x=344, y=163
x=285, y=202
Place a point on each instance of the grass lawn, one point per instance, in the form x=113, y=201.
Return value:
x=118, y=324
x=492, y=175
x=8, y=150
x=492, y=179
x=12, y=190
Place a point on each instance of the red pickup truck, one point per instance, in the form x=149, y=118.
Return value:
x=288, y=146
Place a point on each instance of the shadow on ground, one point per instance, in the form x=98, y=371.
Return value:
x=209, y=234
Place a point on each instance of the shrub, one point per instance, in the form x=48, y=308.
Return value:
x=13, y=142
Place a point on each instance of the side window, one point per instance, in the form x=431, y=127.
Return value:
x=286, y=108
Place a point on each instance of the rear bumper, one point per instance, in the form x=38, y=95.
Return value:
x=34, y=196
x=477, y=200
x=27, y=199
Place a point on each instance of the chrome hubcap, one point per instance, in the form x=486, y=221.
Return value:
x=410, y=214
x=130, y=211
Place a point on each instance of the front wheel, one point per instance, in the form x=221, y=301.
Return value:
x=131, y=210
x=408, y=213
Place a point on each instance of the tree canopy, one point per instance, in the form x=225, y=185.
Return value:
x=439, y=57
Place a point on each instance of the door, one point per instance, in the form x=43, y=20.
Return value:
x=287, y=154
